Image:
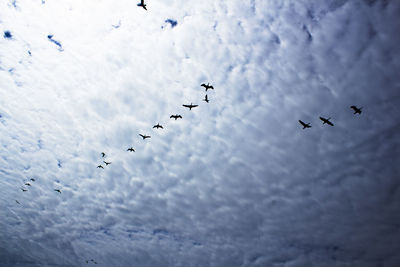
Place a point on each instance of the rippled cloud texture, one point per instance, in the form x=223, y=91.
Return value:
x=236, y=181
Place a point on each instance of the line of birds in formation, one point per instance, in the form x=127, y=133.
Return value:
x=131, y=149
x=327, y=121
x=158, y=126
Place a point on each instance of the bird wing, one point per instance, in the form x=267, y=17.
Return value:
x=203, y=85
x=211, y=87
x=193, y=106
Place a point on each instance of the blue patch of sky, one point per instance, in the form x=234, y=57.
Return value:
x=7, y=35
x=172, y=22
x=50, y=37
x=39, y=144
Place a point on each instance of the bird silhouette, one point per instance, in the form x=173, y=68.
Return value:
x=58, y=190
x=100, y=167
x=305, y=125
x=107, y=163
x=326, y=121
x=103, y=154
x=175, y=116
x=24, y=190
x=142, y=4
x=207, y=86
x=131, y=149
x=28, y=184
x=158, y=126
x=145, y=136
x=206, y=99
x=17, y=202
x=190, y=106
x=356, y=110
x=33, y=180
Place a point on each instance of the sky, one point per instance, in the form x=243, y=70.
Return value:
x=235, y=182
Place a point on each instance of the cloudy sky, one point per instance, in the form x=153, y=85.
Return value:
x=236, y=181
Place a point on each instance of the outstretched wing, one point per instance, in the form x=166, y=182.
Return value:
x=193, y=106
x=302, y=123
x=203, y=85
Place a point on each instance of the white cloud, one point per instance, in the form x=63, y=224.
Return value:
x=236, y=182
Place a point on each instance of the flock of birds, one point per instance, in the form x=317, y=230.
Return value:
x=159, y=126
x=176, y=117
x=144, y=136
x=327, y=121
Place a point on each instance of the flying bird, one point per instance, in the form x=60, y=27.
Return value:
x=145, y=136
x=142, y=4
x=57, y=190
x=33, y=180
x=103, y=154
x=206, y=99
x=107, y=163
x=131, y=149
x=356, y=110
x=100, y=167
x=207, y=86
x=17, y=202
x=158, y=126
x=190, y=106
x=24, y=190
x=175, y=116
x=305, y=125
x=28, y=184
x=326, y=121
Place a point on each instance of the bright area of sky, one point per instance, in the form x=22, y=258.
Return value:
x=236, y=181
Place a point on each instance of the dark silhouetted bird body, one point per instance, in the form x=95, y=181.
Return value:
x=28, y=184
x=145, y=136
x=131, y=149
x=103, y=154
x=32, y=179
x=207, y=86
x=17, y=202
x=356, y=110
x=23, y=190
x=142, y=4
x=107, y=163
x=190, y=106
x=100, y=167
x=158, y=126
x=175, y=116
x=58, y=190
x=326, y=121
x=305, y=125
x=206, y=99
